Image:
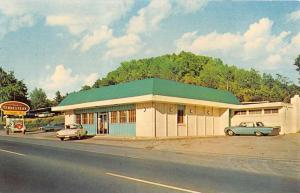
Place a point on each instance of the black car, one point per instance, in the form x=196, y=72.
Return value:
x=53, y=127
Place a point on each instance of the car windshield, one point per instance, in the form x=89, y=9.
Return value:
x=259, y=124
x=247, y=124
x=243, y=125
x=73, y=126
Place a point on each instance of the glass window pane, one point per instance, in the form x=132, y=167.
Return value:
x=123, y=116
x=113, y=117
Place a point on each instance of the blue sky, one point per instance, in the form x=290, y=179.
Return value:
x=62, y=44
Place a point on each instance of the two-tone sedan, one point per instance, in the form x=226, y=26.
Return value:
x=251, y=128
x=72, y=131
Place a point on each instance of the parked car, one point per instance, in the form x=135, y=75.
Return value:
x=72, y=131
x=251, y=128
x=53, y=127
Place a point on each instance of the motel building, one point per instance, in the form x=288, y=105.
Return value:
x=163, y=108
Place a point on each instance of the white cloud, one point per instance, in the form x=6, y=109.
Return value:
x=13, y=24
x=257, y=47
x=94, y=38
x=189, y=6
x=65, y=80
x=77, y=16
x=90, y=79
x=123, y=46
x=14, y=7
x=73, y=23
x=294, y=16
x=61, y=78
x=149, y=17
x=47, y=67
x=147, y=20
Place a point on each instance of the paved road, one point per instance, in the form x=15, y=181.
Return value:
x=42, y=166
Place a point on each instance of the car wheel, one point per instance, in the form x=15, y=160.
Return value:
x=258, y=133
x=230, y=133
x=62, y=138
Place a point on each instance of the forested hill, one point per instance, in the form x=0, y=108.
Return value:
x=247, y=85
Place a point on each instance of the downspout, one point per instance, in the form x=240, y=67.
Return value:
x=153, y=105
x=229, y=117
x=155, y=119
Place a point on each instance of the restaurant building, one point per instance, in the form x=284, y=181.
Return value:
x=163, y=108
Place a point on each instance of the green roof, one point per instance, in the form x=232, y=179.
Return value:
x=153, y=86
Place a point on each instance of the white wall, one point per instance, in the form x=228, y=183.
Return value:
x=191, y=116
x=295, y=117
x=198, y=121
x=201, y=121
x=283, y=119
x=172, y=120
x=222, y=121
x=70, y=117
x=145, y=120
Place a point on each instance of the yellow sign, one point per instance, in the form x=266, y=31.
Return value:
x=14, y=113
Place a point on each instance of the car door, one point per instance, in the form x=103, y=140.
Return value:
x=251, y=128
x=240, y=129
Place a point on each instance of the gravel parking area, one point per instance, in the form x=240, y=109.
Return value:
x=282, y=147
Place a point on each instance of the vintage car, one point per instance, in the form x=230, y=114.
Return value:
x=52, y=127
x=72, y=131
x=251, y=128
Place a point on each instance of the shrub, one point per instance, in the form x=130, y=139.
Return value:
x=32, y=124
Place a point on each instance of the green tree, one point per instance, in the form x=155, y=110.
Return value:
x=39, y=99
x=85, y=87
x=247, y=85
x=11, y=88
x=58, y=98
x=297, y=64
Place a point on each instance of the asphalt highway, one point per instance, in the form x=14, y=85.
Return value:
x=35, y=167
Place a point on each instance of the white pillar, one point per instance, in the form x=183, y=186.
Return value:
x=295, y=119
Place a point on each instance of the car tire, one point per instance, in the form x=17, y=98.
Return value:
x=62, y=138
x=230, y=133
x=258, y=133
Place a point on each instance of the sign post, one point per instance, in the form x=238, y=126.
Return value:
x=14, y=108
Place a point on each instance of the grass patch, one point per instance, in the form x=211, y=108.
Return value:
x=33, y=124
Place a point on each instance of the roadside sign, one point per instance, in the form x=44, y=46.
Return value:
x=14, y=108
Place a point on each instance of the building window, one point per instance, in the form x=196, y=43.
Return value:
x=271, y=111
x=78, y=118
x=255, y=111
x=180, y=114
x=114, y=117
x=91, y=118
x=240, y=112
x=132, y=116
x=123, y=116
x=84, y=118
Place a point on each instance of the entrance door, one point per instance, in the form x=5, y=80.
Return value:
x=102, y=123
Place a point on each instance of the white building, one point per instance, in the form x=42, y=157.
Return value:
x=162, y=108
